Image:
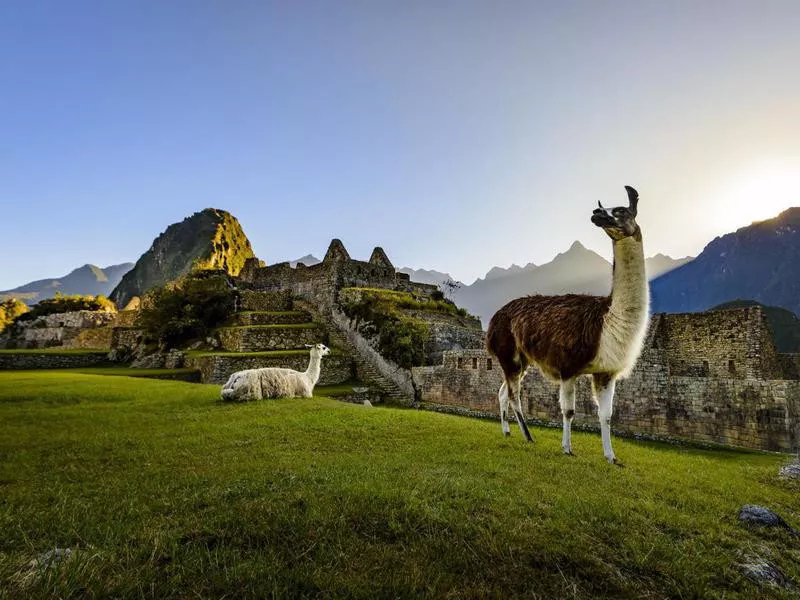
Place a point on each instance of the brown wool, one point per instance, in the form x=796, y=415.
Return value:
x=561, y=334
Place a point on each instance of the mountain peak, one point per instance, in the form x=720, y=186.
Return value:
x=576, y=245
x=210, y=239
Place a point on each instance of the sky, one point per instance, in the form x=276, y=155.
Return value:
x=458, y=135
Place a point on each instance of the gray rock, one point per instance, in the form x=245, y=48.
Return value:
x=149, y=361
x=762, y=516
x=762, y=571
x=174, y=359
x=790, y=471
x=53, y=557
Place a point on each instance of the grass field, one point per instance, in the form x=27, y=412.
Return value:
x=164, y=492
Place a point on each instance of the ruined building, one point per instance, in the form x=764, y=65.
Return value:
x=713, y=377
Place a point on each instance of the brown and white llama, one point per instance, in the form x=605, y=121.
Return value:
x=572, y=335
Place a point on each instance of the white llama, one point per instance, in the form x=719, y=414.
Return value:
x=275, y=382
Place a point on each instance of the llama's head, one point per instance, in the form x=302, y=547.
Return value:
x=319, y=350
x=619, y=222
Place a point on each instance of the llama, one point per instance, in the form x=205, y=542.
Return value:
x=572, y=335
x=275, y=382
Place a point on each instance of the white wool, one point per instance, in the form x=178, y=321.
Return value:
x=625, y=325
x=256, y=384
x=274, y=382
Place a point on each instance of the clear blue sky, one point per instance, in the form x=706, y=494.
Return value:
x=458, y=135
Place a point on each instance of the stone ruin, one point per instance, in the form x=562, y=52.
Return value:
x=711, y=377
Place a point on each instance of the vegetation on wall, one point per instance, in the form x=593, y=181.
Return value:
x=186, y=310
x=62, y=304
x=387, y=317
x=10, y=309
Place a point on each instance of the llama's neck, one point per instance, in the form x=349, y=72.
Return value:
x=629, y=294
x=312, y=372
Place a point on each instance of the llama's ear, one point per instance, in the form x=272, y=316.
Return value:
x=633, y=199
x=309, y=346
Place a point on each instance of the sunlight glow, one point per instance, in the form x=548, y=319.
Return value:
x=761, y=193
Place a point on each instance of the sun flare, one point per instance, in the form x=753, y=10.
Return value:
x=762, y=193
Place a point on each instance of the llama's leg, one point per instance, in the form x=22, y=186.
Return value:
x=604, y=385
x=515, y=388
x=502, y=396
x=566, y=397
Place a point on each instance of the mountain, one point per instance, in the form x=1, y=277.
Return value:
x=427, y=276
x=308, y=260
x=785, y=325
x=496, y=272
x=758, y=262
x=578, y=270
x=86, y=280
x=211, y=239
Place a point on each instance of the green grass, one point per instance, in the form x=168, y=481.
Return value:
x=165, y=492
x=69, y=351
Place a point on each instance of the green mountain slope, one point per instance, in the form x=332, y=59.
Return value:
x=211, y=238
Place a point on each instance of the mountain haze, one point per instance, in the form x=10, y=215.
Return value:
x=427, y=276
x=578, y=270
x=758, y=262
x=86, y=280
x=211, y=238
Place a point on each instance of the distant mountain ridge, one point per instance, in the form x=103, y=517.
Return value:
x=578, y=270
x=759, y=262
x=86, y=280
x=308, y=260
x=427, y=275
x=211, y=238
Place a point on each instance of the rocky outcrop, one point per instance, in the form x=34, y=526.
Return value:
x=210, y=239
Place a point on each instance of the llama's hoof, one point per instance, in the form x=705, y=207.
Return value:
x=507, y=434
x=568, y=451
x=616, y=462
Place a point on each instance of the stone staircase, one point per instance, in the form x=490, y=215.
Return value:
x=365, y=371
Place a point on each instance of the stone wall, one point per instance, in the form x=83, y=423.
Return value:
x=216, y=368
x=291, y=317
x=77, y=329
x=125, y=337
x=268, y=337
x=731, y=344
x=452, y=335
x=51, y=360
x=264, y=300
x=89, y=339
x=672, y=392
